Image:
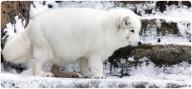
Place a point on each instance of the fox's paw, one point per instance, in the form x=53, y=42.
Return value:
x=46, y=74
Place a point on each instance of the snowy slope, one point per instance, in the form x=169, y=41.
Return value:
x=145, y=75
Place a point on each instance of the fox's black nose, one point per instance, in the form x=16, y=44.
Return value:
x=139, y=43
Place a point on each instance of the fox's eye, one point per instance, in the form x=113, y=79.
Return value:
x=132, y=31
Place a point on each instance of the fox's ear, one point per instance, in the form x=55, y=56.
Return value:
x=125, y=21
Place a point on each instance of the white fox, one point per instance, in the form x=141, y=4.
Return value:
x=63, y=36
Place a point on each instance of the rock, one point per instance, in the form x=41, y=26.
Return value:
x=159, y=54
x=170, y=54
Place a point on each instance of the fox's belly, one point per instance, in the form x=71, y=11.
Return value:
x=65, y=55
x=64, y=61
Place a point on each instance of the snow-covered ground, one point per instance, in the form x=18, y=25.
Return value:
x=16, y=81
x=147, y=74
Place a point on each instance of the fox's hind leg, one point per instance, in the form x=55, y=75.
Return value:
x=96, y=66
x=42, y=54
x=38, y=71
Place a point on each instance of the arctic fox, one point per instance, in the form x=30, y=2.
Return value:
x=64, y=36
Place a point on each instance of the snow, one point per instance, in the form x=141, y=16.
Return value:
x=146, y=74
x=14, y=81
x=174, y=11
x=165, y=40
x=13, y=29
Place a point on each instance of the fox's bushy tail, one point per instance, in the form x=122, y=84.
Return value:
x=18, y=48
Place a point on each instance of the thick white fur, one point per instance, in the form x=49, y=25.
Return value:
x=63, y=36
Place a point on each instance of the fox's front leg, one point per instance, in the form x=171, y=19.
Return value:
x=96, y=66
x=84, y=67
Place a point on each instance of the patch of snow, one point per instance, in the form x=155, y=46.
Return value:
x=16, y=28
x=131, y=59
x=21, y=81
x=9, y=29
x=183, y=28
x=181, y=12
x=88, y=4
x=165, y=40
